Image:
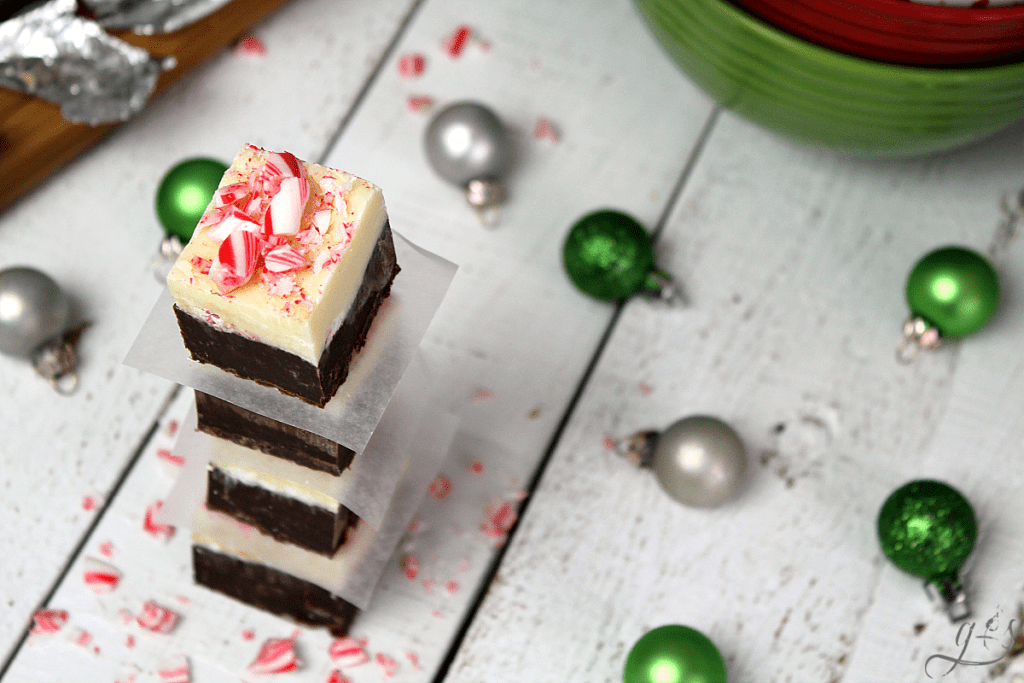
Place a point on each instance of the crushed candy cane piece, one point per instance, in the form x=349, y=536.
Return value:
x=168, y=457
x=129, y=641
x=106, y=549
x=46, y=621
x=413, y=658
x=99, y=576
x=387, y=664
x=411, y=65
x=545, y=130
x=233, y=221
x=283, y=259
x=347, y=652
x=89, y=503
x=499, y=522
x=441, y=487
x=455, y=42
x=276, y=656
x=476, y=467
x=229, y=194
x=154, y=528
x=174, y=670
x=337, y=677
x=156, y=618
x=80, y=637
x=251, y=46
x=322, y=220
x=284, y=217
x=248, y=634
x=236, y=261
x=419, y=104
x=411, y=566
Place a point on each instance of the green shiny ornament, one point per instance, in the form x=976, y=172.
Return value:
x=610, y=256
x=184, y=193
x=674, y=654
x=928, y=529
x=954, y=289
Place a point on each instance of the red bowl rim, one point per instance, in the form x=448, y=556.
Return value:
x=932, y=13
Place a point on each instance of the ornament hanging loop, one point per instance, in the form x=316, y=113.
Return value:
x=639, y=448
x=949, y=592
x=55, y=361
x=918, y=336
x=485, y=196
x=659, y=287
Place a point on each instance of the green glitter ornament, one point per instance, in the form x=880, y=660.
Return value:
x=952, y=292
x=184, y=193
x=610, y=256
x=674, y=654
x=928, y=529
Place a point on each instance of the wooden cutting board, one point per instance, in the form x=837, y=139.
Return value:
x=35, y=140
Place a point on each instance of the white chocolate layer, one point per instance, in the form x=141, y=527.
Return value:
x=302, y=318
x=225, y=534
x=281, y=476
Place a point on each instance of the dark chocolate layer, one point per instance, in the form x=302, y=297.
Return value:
x=283, y=370
x=272, y=590
x=252, y=430
x=286, y=519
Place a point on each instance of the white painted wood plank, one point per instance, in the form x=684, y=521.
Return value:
x=794, y=262
x=93, y=228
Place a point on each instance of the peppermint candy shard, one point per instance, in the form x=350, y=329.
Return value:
x=278, y=166
x=347, y=652
x=276, y=656
x=154, y=528
x=229, y=194
x=174, y=670
x=283, y=259
x=47, y=621
x=234, y=220
x=236, y=261
x=157, y=619
x=284, y=216
x=100, y=576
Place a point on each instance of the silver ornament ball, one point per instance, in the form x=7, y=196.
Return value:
x=467, y=142
x=33, y=310
x=700, y=461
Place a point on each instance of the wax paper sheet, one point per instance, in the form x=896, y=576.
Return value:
x=352, y=415
x=370, y=480
x=353, y=572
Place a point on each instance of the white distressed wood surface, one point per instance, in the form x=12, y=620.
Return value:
x=794, y=262
x=93, y=228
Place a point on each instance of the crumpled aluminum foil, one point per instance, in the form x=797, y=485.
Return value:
x=94, y=77
x=146, y=17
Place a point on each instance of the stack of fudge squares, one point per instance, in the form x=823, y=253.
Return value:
x=279, y=285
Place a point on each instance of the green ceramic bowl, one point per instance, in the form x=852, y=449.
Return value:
x=818, y=96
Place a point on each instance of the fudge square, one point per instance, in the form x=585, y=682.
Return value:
x=228, y=421
x=284, y=273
